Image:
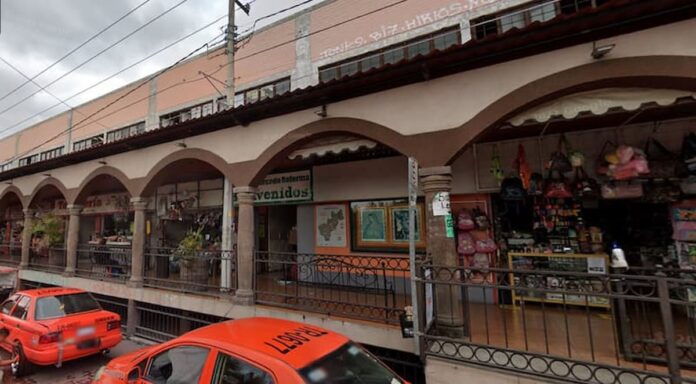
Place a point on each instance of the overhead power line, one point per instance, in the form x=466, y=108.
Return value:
x=159, y=73
x=74, y=50
x=159, y=16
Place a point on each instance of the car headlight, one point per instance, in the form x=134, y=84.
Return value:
x=99, y=373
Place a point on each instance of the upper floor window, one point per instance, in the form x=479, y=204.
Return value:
x=46, y=155
x=6, y=167
x=188, y=113
x=262, y=92
x=423, y=45
x=125, y=132
x=88, y=142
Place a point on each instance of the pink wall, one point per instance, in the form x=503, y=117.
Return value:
x=45, y=131
x=7, y=148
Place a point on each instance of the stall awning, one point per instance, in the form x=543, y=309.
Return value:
x=599, y=102
x=333, y=145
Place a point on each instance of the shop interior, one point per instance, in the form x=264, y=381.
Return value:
x=590, y=191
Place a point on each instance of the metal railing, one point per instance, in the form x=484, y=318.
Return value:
x=47, y=259
x=10, y=254
x=576, y=327
x=197, y=273
x=116, y=305
x=161, y=324
x=365, y=287
x=104, y=262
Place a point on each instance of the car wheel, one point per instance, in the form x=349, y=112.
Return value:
x=23, y=366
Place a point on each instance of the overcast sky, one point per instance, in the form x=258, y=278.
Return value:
x=36, y=33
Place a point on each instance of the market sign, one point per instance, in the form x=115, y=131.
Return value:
x=285, y=188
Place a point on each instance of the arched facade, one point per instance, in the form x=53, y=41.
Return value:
x=100, y=175
x=48, y=183
x=669, y=72
x=11, y=193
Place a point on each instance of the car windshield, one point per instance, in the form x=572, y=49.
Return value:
x=52, y=307
x=350, y=364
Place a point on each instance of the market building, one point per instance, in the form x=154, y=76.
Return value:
x=552, y=138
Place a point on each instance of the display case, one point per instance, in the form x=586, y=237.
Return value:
x=566, y=271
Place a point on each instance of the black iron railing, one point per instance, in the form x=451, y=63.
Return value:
x=47, y=259
x=634, y=327
x=365, y=287
x=10, y=254
x=104, y=262
x=199, y=272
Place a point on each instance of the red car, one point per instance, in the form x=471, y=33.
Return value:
x=51, y=325
x=253, y=351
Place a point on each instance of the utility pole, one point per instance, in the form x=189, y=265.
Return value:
x=231, y=34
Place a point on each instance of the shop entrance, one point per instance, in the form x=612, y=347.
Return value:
x=277, y=239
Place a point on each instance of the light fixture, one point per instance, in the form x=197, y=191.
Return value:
x=181, y=145
x=601, y=51
x=47, y=174
x=102, y=162
x=321, y=112
x=8, y=182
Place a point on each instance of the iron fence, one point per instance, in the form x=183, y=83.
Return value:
x=364, y=287
x=104, y=262
x=631, y=327
x=161, y=324
x=10, y=254
x=115, y=305
x=47, y=259
x=200, y=272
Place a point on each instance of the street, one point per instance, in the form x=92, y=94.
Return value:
x=73, y=372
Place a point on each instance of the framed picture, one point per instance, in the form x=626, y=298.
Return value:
x=331, y=225
x=372, y=225
x=398, y=219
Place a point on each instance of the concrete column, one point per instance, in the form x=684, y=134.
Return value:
x=443, y=252
x=26, y=238
x=229, y=239
x=73, y=239
x=245, y=245
x=138, y=245
x=133, y=319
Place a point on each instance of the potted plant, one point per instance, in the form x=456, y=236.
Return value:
x=193, y=265
x=49, y=230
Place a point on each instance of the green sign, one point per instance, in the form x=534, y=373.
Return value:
x=288, y=187
x=449, y=225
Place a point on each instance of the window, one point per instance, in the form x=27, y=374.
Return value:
x=573, y=6
x=229, y=370
x=52, y=307
x=6, y=167
x=522, y=17
x=349, y=364
x=51, y=154
x=22, y=308
x=188, y=113
x=423, y=45
x=512, y=20
x=262, y=92
x=542, y=13
x=88, y=143
x=7, y=306
x=485, y=26
x=178, y=365
x=125, y=132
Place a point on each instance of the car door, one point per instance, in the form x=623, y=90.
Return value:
x=16, y=322
x=175, y=364
x=5, y=310
x=231, y=369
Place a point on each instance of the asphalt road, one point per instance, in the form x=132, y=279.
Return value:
x=73, y=372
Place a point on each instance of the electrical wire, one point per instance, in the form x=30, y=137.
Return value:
x=74, y=50
x=96, y=55
x=223, y=66
x=281, y=11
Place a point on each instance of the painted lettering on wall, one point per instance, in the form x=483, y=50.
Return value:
x=285, y=187
x=388, y=30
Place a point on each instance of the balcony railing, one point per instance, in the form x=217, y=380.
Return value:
x=577, y=327
x=197, y=273
x=10, y=254
x=47, y=259
x=364, y=287
x=104, y=262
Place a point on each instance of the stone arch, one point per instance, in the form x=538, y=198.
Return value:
x=99, y=174
x=252, y=172
x=672, y=72
x=8, y=192
x=49, y=182
x=150, y=182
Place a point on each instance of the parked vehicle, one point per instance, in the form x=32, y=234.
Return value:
x=51, y=325
x=254, y=350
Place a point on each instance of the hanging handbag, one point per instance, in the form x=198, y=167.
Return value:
x=603, y=162
x=511, y=189
x=481, y=220
x=496, y=166
x=557, y=186
x=465, y=243
x=621, y=190
x=559, y=160
x=483, y=243
x=536, y=185
x=465, y=222
x=663, y=163
x=583, y=185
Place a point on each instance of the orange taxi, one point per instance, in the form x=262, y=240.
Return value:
x=51, y=325
x=254, y=350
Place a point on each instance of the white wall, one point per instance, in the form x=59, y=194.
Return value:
x=359, y=180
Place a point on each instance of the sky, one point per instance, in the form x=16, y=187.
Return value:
x=36, y=33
